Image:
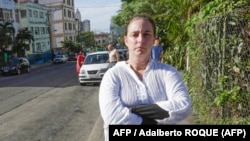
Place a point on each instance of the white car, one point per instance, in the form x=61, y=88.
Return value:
x=94, y=67
x=60, y=59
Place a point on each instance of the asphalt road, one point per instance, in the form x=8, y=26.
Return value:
x=47, y=104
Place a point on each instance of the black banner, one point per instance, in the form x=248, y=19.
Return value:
x=194, y=132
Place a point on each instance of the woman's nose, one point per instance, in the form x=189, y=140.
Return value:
x=140, y=38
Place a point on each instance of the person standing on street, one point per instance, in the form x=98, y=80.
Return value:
x=140, y=91
x=79, y=60
x=157, y=51
x=114, y=56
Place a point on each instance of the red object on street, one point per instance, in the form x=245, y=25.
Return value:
x=80, y=59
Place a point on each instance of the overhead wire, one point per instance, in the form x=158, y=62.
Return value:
x=97, y=6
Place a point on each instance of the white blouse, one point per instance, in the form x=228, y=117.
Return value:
x=121, y=88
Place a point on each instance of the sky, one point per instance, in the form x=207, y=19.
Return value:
x=99, y=12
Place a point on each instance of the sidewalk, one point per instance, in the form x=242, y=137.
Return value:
x=97, y=133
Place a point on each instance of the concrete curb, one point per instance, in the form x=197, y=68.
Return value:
x=97, y=132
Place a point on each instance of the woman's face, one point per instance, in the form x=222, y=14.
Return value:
x=110, y=47
x=140, y=38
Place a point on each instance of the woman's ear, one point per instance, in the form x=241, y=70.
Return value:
x=125, y=40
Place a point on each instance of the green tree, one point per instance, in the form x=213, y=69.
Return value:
x=129, y=8
x=88, y=39
x=174, y=21
x=170, y=17
x=22, y=42
x=68, y=45
x=7, y=35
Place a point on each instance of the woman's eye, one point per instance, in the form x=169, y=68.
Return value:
x=147, y=34
x=135, y=35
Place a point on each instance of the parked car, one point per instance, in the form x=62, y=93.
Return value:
x=16, y=66
x=60, y=59
x=123, y=54
x=72, y=57
x=94, y=67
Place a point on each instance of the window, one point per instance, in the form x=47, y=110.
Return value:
x=17, y=16
x=42, y=30
x=69, y=13
x=6, y=14
x=23, y=14
x=1, y=13
x=35, y=14
x=32, y=30
x=65, y=26
x=41, y=14
x=38, y=46
x=70, y=26
x=36, y=30
x=30, y=13
x=47, y=30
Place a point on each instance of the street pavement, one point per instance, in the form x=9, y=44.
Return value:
x=97, y=132
x=41, y=65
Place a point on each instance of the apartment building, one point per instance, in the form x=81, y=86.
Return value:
x=85, y=25
x=62, y=21
x=102, y=40
x=78, y=21
x=8, y=13
x=34, y=16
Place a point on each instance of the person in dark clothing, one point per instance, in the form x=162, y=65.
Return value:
x=157, y=51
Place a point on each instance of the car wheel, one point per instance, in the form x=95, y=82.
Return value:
x=82, y=84
x=18, y=71
x=28, y=69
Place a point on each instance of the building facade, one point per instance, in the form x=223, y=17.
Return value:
x=102, y=40
x=34, y=16
x=85, y=26
x=78, y=21
x=8, y=13
x=62, y=21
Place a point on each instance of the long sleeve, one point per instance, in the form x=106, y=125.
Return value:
x=113, y=109
x=169, y=92
x=161, y=85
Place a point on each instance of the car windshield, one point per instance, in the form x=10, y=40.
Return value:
x=96, y=59
x=59, y=56
x=14, y=62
